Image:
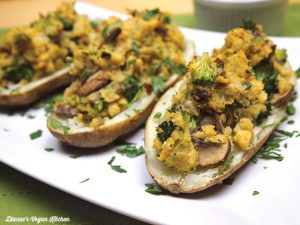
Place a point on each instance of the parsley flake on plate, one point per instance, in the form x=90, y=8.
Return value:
x=116, y=168
x=36, y=134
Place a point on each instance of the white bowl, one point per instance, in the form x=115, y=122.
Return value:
x=222, y=15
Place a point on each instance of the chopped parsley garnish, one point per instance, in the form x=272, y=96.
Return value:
x=130, y=150
x=158, y=84
x=164, y=130
x=49, y=149
x=271, y=149
x=228, y=181
x=56, y=124
x=291, y=110
x=249, y=25
x=298, y=72
x=167, y=62
x=110, y=27
x=30, y=116
x=121, y=142
x=225, y=166
x=75, y=156
x=135, y=48
x=255, y=193
x=36, y=134
x=290, y=122
x=87, y=179
x=153, y=189
x=157, y=115
x=116, y=168
x=149, y=14
x=132, y=89
x=18, y=72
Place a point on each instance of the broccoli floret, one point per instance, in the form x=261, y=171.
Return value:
x=280, y=55
x=202, y=73
x=164, y=130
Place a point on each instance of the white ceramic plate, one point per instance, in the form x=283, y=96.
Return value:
x=278, y=185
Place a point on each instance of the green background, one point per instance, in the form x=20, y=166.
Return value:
x=22, y=196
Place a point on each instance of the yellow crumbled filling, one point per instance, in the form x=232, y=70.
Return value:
x=243, y=133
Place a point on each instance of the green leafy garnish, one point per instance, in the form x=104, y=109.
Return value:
x=164, y=130
x=75, y=156
x=291, y=110
x=36, y=134
x=110, y=27
x=87, y=179
x=157, y=115
x=280, y=55
x=30, y=116
x=135, y=48
x=116, y=168
x=201, y=71
x=158, y=84
x=132, y=89
x=225, y=166
x=228, y=181
x=18, y=72
x=56, y=124
x=149, y=14
x=255, y=193
x=249, y=25
x=153, y=189
x=298, y=72
x=49, y=149
x=130, y=150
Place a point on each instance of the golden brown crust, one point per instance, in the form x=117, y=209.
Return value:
x=30, y=96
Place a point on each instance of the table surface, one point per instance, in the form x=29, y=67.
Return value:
x=25, y=196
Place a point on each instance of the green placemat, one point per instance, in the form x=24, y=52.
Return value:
x=24, y=197
x=290, y=28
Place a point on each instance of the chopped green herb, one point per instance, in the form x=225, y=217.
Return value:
x=49, y=149
x=149, y=14
x=158, y=84
x=121, y=142
x=265, y=167
x=285, y=145
x=290, y=122
x=75, y=156
x=157, y=115
x=132, y=89
x=225, y=166
x=135, y=48
x=110, y=27
x=164, y=130
x=36, y=134
x=228, y=181
x=94, y=25
x=291, y=110
x=167, y=19
x=298, y=72
x=30, y=116
x=116, y=168
x=131, y=62
x=153, y=189
x=18, y=72
x=130, y=150
x=56, y=124
x=255, y=193
x=249, y=25
x=87, y=179
x=137, y=110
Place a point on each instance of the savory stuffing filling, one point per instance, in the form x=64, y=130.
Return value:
x=131, y=58
x=31, y=52
x=224, y=97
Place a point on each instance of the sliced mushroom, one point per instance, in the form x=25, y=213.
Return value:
x=93, y=83
x=217, y=120
x=65, y=111
x=210, y=154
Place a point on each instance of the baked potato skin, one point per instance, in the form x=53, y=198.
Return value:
x=176, y=187
x=105, y=134
x=19, y=99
